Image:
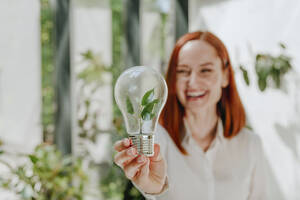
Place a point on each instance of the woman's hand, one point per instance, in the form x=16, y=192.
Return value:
x=148, y=173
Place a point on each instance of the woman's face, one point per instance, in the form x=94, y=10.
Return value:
x=199, y=76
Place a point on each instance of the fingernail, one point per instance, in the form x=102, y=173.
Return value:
x=126, y=142
x=140, y=159
x=131, y=152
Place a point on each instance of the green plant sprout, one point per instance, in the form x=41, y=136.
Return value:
x=146, y=107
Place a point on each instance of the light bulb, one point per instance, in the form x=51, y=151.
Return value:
x=141, y=92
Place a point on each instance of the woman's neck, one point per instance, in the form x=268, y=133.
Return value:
x=202, y=125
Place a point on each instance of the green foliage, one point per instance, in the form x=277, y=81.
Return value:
x=95, y=70
x=245, y=75
x=148, y=112
x=47, y=175
x=48, y=107
x=129, y=106
x=113, y=185
x=91, y=78
x=147, y=98
x=92, y=74
x=269, y=69
x=147, y=105
x=116, y=186
x=282, y=46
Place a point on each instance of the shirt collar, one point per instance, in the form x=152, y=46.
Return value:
x=187, y=135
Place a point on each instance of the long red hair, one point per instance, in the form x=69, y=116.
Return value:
x=229, y=108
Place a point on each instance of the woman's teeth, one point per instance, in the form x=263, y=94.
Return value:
x=195, y=94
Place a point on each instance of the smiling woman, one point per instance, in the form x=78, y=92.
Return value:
x=200, y=65
x=203, y=149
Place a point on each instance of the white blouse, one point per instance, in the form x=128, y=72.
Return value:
x=231, y=169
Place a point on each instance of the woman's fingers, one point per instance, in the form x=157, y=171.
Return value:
x=124, y=157
x=122, y=144
x=133, y=167
x=139, y=168
x=144, y=170
x=157, y=155
x=148, y=173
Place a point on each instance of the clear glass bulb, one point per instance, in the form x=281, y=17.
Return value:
x=141, y=93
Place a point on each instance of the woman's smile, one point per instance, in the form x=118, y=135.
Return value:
x=196, y=95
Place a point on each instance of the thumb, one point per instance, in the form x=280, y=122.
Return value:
x=144, y=171
x=157, y=154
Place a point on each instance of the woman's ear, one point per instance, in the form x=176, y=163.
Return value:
x=225, y=77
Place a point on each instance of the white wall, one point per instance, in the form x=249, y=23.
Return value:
x=20, y=77
x=274, y=114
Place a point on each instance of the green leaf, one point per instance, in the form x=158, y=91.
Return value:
x=146, y=113
x=33, y=158
x=88, y=55
x=148, y=96
x=154, y=101
x=282, y=45
x=245, y=75
x=129, y=106
x=262, y=83
x=275, y=74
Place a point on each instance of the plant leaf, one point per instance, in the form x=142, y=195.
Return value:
x=148, y=96
x=282, y=45
x=146, y=113
x=129, y=106
x=245, y=75
x=33, y=158
x=262, y=83
x=88, y=55
x=275, y=74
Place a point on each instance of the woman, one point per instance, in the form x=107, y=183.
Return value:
x=204, y=150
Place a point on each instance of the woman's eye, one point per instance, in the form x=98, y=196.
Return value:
x=182, y=71
x=206, y=70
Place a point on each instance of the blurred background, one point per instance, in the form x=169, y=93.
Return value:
x=59, y=60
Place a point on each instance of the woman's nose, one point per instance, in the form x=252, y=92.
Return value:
x=192, y=79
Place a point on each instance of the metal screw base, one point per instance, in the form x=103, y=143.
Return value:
x=144, y=144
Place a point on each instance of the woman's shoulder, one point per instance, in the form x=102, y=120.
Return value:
x=248, y=134
x=250, y=139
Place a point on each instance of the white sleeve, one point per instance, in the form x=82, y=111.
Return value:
x=154, y=196
x=258, y=187
x=161, y=137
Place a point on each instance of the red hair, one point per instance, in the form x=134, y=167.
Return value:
x=229, y=108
